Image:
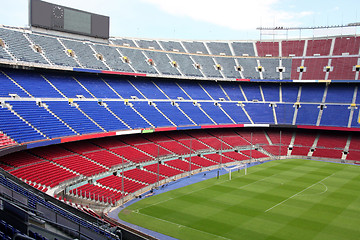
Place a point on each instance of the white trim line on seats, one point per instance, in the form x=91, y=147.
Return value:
x=256, y=125
x=126, y=132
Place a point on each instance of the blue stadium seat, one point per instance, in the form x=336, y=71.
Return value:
x=175, y=115
x=34, y=83
x=335, y=115
x=307, y=114
x=101, y=116
x=260, y=112
x=17, y=129
x=73, y=117
x=284, y=113
x=151, y=114
x=235, y=112
x=127, y=114
x=216, y=113
x=40, y=118
x=195, y=113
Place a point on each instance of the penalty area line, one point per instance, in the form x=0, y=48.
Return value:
x=298, y=193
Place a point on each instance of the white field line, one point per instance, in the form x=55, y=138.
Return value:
x=319, y=193
x=299, y=193
x=179, y=225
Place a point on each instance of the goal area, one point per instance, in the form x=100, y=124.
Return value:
x=236, y=167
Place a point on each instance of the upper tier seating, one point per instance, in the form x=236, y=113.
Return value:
x=207, y=65
x=350, y=45
x=148, y=44
x=123, y=42
x=138, y=60
x=228, y=67
x=172, y=46
x=20, y=47
x=285, y=113
x=195, y=47
x=315, y=68
x=318, y=46
x=241, y=48
x=199, y=59
x=112, y=58
x=331, y=113
x=84, y=54
x=186, y=65
x=344, y=90
x=219, y=48
x=292, y=48
x=53, y=50
x=214, y=90
x=267, y=49
x=269, y=68
x=162, y=63
x=216, y=113
x=342, y=68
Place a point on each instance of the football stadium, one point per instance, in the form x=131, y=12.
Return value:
x=131, y=138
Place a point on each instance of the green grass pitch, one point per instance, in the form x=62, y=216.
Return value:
x=284, y=199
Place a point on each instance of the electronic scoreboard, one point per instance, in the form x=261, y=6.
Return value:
x=55, y=17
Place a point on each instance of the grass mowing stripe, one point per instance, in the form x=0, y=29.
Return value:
x=298, y=193
x=183, y=226
x=203, y=188
x=319, y=209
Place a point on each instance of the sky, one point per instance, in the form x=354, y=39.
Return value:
x=205, y=19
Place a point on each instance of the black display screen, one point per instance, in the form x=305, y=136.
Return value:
x=60, y=18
